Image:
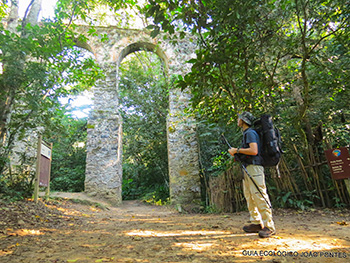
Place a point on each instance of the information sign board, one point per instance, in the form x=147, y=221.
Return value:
x=45, y=151
x=339, y=162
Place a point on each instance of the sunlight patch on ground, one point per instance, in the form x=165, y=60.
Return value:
x=146, y=220
x=24, y=232
x=152, y=233
x=195, y=246
x=71, y=212
x=5, y=252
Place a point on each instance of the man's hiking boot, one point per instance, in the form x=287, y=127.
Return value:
x=252, y=228
x=266, y=232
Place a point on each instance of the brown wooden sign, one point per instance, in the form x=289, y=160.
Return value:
x=339, y=162
x=45, y=165
x=43, y=168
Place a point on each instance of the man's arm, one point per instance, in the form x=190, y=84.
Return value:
x=252, y=150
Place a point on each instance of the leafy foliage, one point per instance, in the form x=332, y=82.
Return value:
x=286, y=58
x=144, y=100
x=69, y=155
x=39, y=64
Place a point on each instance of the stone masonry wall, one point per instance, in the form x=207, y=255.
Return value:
x=104, y=143
x=184, y=179
x=104, y=147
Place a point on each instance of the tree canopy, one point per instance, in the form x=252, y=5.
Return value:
x=289, y=58
x=286, y=58
x=39, y=64
x=144, y=99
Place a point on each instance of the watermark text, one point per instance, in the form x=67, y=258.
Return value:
x=283, y=253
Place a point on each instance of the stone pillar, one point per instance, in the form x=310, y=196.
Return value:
x=104, y=144
x=183, y=159
x=184, y=180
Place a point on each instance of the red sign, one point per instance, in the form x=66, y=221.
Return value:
x=339, y=162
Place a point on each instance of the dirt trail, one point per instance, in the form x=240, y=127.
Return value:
x=64, y=231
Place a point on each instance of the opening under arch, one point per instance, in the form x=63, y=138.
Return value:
x=144, y=106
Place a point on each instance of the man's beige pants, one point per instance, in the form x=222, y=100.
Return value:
x=259, y=210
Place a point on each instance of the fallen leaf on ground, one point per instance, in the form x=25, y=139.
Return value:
x=343, y=223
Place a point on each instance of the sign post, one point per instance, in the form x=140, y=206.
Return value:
x=339, y=163
x=43, y=168
x=347, y=183
x=37, y=174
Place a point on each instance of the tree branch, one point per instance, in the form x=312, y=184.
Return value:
x=330, y=34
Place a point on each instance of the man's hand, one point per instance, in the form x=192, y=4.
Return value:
x=232, y=151
x=252, y=150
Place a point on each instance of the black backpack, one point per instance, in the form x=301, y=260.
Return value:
x=270, y=139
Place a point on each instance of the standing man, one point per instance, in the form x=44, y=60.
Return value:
x=258, y=201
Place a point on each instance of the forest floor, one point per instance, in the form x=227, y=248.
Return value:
x=74, y=228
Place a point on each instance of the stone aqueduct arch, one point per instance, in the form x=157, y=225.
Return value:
x=104, y=141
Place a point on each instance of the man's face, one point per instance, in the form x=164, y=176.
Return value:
x=239, y=122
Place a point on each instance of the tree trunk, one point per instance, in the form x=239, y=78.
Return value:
x=33, y=11
x=12, y=21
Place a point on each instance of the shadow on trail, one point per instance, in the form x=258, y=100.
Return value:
x=137, y=232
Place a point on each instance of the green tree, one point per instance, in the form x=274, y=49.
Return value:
x=69, y=153
x=287, y=58
x=39, y=64
x=144, y=99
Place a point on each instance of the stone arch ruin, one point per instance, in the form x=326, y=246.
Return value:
x=104, y=141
